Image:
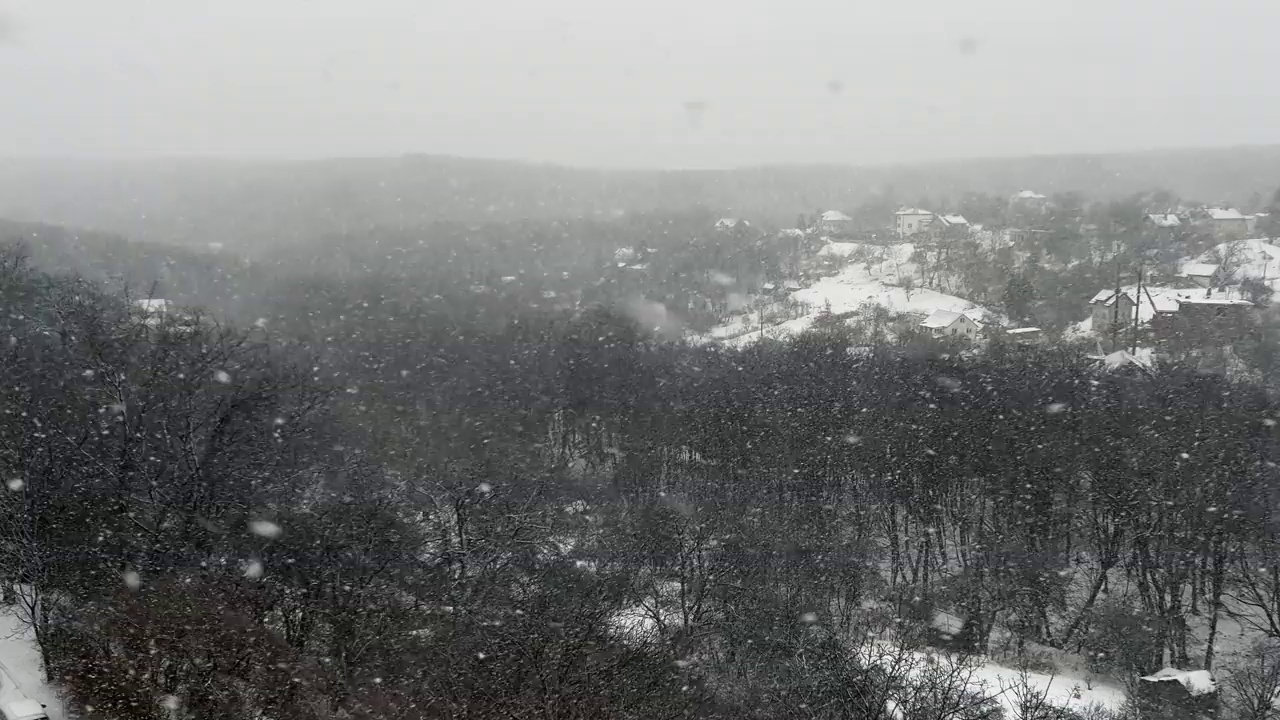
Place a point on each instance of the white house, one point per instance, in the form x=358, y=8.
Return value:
x=731, y=224
x=945, y=323
x=909, y=221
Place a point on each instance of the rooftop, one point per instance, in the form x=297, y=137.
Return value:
x=1223, y=214
x=942, y=319
x=1199, y=269
x=953, y=220
x=835, y=216
x=913, y=211
x=1165, y=220
x=1029, y=195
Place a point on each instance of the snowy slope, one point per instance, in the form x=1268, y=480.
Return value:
x=874, y=275
x=21, y=659
x=1257, y=258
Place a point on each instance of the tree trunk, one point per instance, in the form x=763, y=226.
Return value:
x=1215, y=588
x=1088, y=605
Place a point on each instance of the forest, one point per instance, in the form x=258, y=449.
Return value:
x=361, y=488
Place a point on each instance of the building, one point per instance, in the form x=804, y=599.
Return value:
x=727, y=224
x=945, y=323
x=1252, y=222
x=1110, y=309
x=834, y=222
x=1020, y=237
x=1224, y=223
x=1163, y=221
x=909, y=221
x=1215, y=318
x=953, y=223
x=1028, y=201
x=1202, y=274
x=1024, y=335
x=1121, y=361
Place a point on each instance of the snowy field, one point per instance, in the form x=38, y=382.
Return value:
x=21, y=659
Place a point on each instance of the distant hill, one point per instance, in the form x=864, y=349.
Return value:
x=256, y=204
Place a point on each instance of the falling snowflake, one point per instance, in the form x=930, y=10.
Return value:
x=15, y=484
x=170, y=703
x=485, y=488
x=809, y=617
x=1055, y=408
x=265, y=528
x=253, y=569
x=132, y=579
x=222, y=376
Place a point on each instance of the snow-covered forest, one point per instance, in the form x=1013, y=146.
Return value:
x=490, y=476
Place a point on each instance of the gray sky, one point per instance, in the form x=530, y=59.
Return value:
x=608, y=83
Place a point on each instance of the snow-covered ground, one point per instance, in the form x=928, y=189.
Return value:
x=874, y=274
x=21, y=659
x=1257, y=258
x=1064, y=690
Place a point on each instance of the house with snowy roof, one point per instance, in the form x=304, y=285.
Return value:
x=1202, y=274
x=947, y=323
x=1028, y=201
x=1163, y=221
x=834, y=222
x=1202, y=318
x=909, y=221
x=727, y=224
x=1223, y=223
x=948, y=222
x=1109, y=309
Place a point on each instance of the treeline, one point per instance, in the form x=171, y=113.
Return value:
x=404, y=512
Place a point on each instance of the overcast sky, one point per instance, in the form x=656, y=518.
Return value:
x=672, y=83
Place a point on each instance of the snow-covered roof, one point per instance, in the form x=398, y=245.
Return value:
x=152, y=305
x=624, y=254
x=1164, y=220
x=1197, y=682
x=835, y=216
x=1108, y=297
x=1223, y=214
x=1120, y=358
x=1219, y=299
x=1022, y=331
x=1199, y=269
x=913, y=211
x=943, y=319
x=1029, y=195
x=953, y=220
x=792, y=232
x=730, y=222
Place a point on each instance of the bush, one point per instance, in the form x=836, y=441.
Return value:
x=1121, y=639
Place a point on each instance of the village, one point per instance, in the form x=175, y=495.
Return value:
x=1168, y=282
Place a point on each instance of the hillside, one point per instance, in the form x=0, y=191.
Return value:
x=253, y=204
